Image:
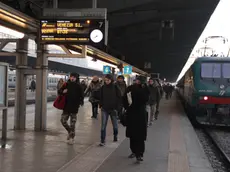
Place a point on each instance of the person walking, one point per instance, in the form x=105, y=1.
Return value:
x=74, y=98
x=136, y=129
x=109, y=102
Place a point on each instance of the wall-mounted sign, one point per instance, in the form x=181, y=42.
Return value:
x=147, y=65
x=106, y=69
x=3, y=84
x=128, y=70
x=82, y=31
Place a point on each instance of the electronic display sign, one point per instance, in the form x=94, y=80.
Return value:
x=82, y=31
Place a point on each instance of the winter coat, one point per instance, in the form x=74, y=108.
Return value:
x=110, y=97
x=154, y=95
x=122, y=86
x=74, y=96
x=94, y=90
x=137, y=115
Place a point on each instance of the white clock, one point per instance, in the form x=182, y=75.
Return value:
x=96, y=36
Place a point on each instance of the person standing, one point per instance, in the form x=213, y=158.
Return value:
x=33, y=85
x=83, y=84
x=109, y=102
x=122, y=86
x=154, y=99
x=94, y=98
x=74, y=98
x=59, y=85
x=136, y=129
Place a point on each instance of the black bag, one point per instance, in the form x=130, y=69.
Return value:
x=96, y=94
x=123, y=118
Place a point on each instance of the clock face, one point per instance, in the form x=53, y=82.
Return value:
x=96, y=36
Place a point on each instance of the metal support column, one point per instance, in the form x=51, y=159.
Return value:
x=94, y=3
x=41, y=88
x=55, y=3
x=20, y=92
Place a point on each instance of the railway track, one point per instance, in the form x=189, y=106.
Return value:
x=220, y=140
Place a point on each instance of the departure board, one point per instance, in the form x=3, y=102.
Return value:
x=83, y=32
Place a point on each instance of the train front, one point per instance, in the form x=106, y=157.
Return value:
x=212, y=85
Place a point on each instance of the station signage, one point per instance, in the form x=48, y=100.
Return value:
x=106, y=70
x=81, y=31
x=128, y=70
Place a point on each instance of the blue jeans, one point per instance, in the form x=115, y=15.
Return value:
x=104, y=121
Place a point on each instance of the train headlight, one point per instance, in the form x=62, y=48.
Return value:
x=205, y=97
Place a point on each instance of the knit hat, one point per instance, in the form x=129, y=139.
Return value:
x=76, y=75
x=108, y=76
x=141, y=79
x=121, y=76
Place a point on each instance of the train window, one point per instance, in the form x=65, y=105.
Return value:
x=14, y=79
x=226, y=70
x=210, y=70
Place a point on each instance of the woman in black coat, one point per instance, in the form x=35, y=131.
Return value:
x=137, y=118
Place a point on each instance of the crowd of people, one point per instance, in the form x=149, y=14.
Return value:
x=116, y=101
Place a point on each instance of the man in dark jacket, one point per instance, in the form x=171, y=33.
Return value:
x=74, y=98
x=154, y=99
x=122, y=87
x=109, y=102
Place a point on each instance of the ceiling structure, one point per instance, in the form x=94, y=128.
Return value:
x=135, y=30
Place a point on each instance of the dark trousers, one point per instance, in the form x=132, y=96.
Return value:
x=95, y=109
x=137, y=147
x=104, y=121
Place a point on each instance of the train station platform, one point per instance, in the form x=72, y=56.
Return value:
x=172, y=145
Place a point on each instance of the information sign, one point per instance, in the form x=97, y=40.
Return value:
x=106, y=69
x=3, y=84
x=82, y=31
x=128, y=70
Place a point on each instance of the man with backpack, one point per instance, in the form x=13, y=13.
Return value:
x=109, y=102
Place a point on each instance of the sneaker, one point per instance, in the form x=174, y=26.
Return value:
x=115, y=139
x=132, y=155
x=71, y=141
x=102, y=144
x=139, y=159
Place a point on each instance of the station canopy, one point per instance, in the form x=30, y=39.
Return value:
x=154, y=35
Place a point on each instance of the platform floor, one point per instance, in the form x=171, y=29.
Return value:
x=29, y=151
x=172, y=146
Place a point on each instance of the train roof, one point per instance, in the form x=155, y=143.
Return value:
x=217, y=59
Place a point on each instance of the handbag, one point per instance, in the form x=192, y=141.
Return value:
x=59, y=103
x=123, y=118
